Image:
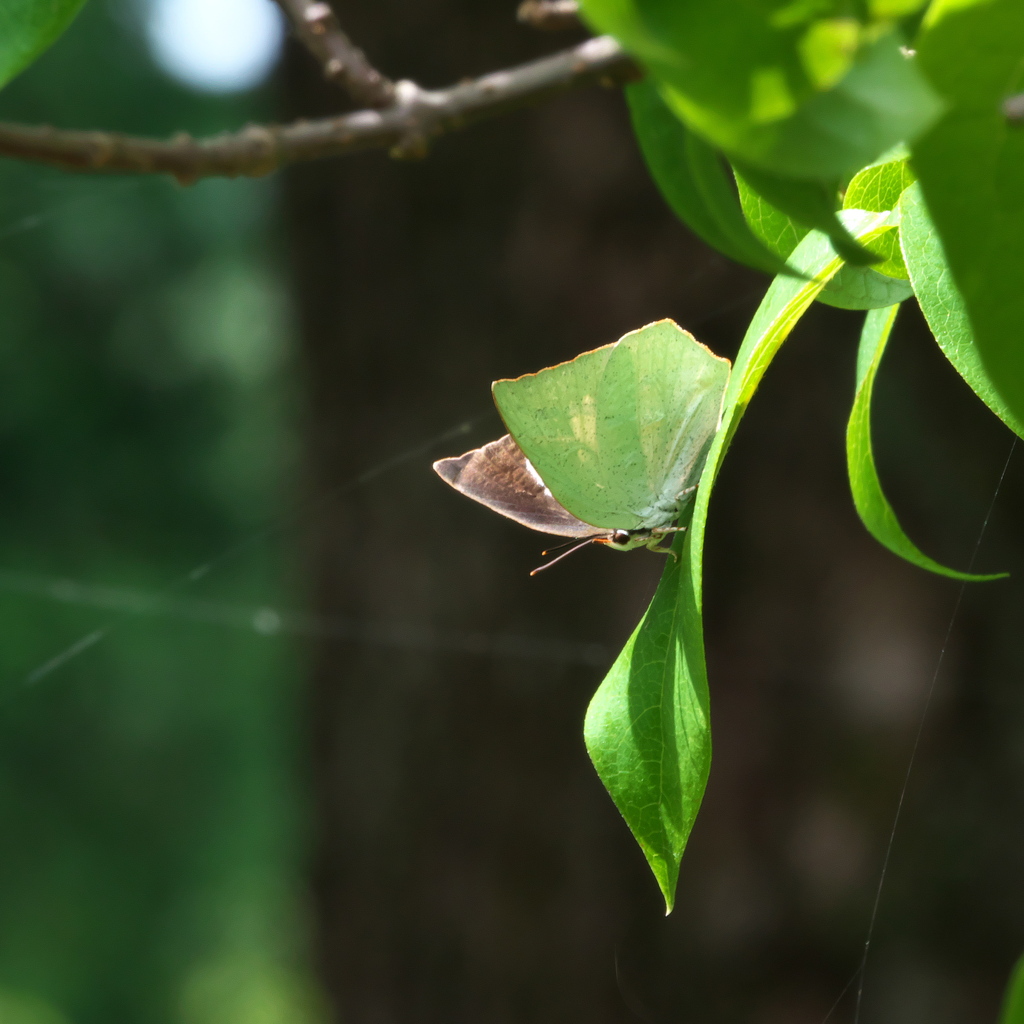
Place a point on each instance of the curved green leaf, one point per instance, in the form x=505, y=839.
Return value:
x=810, y=203
x=878, y=188
x=853, y=287
x=780, y=233
x=1013, y=1001
x=690, y=175
x=971, y=166
x=875, y=188
x=942, y=304
x=27, y=27
x=803, y=90
x=648, y=726
x=864, y=288
x=872, y=506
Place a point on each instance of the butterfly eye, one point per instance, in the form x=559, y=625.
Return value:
x=620, y=537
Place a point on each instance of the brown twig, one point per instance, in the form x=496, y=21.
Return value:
x=343, y=62
x=549, y=15
x=406, y=127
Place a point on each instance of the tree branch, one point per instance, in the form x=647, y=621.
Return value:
x=343, y=62
x=549, y=15
x=406, y=127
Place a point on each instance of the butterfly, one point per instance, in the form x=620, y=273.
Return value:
x=606, y=448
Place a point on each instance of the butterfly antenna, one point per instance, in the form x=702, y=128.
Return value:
x=564, y=554
x=557, y=547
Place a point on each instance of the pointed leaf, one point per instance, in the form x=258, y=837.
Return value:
x=27, y=27
x=872, y=506
x=942, y=304
x=648, y=729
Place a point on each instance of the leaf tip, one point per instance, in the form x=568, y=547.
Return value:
x=667, y=875
x=670, y=898
x=670, y=901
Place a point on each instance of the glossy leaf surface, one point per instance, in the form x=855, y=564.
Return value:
x=27, y=27
x=872, y=506
x=648, y=726
x=971, y=166
x=942, y=304
x=802, y=90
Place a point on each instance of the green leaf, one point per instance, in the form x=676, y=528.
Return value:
x=864, y=288
x=692, y=180
x=872, y=506
x=853, y=287
x=942, y=304
x=1013, y=1001
x=892, y=265
x=971, y=169
x=648, y=727
x=801, y=89
x=879, y=186
x=810, y=203
x=780, y=233
x=27, y=27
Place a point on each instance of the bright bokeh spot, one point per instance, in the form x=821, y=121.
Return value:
x=216, y=45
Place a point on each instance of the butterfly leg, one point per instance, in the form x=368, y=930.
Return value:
x=658, y=535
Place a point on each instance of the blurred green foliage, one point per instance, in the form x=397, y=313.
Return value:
x=147, y=795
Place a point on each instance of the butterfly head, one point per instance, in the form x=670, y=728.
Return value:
x=624, y=540
x=629, y=540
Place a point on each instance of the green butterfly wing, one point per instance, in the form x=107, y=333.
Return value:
x=620, y=433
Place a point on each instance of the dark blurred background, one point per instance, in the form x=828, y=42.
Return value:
x=288, y=734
